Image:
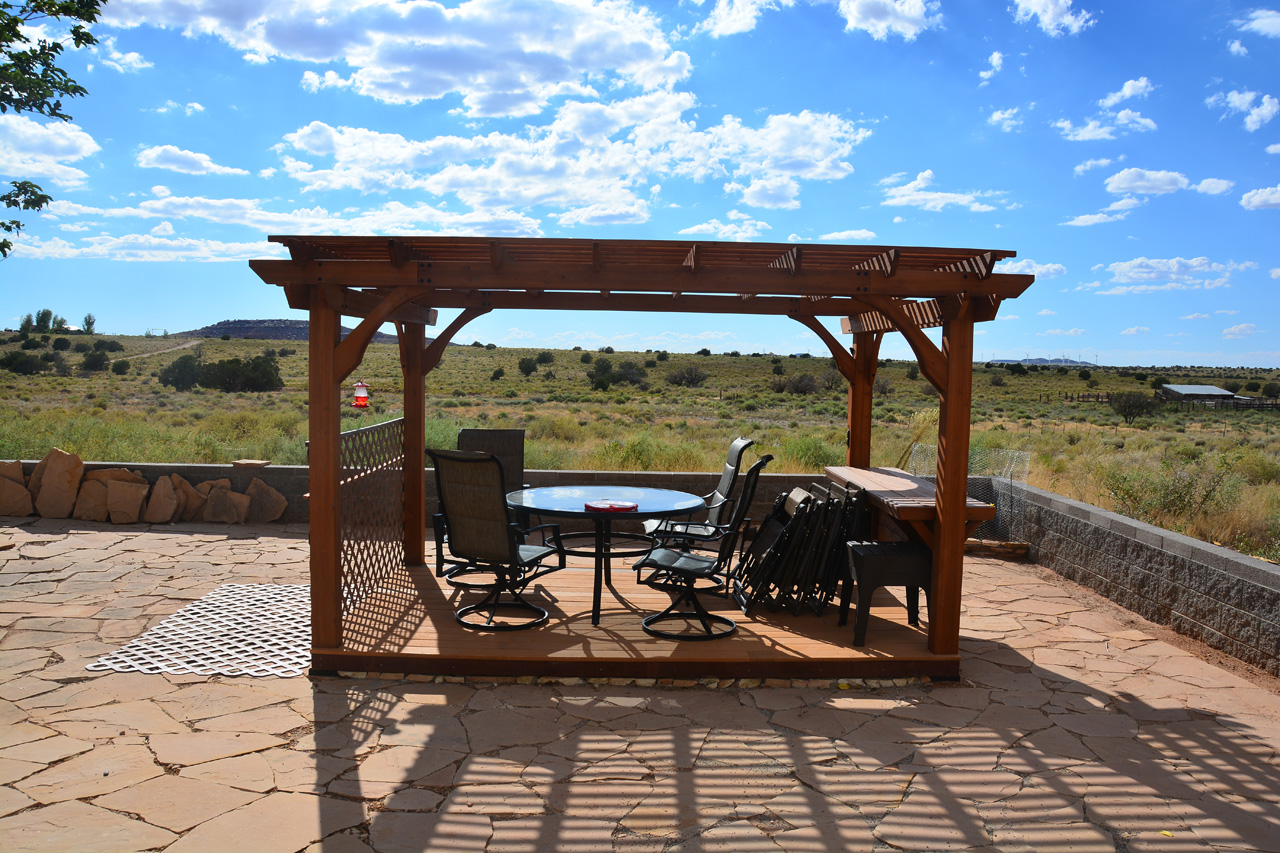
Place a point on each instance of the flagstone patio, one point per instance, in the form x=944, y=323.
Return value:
x=1075, y=727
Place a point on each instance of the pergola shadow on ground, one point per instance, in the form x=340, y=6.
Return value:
x=368, y=491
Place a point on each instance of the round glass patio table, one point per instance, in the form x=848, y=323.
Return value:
x=570, y=502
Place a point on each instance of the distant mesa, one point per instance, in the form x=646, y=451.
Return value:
x=1053, y=361
x=270, y=330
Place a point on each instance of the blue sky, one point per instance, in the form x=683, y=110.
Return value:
x=1129, y=152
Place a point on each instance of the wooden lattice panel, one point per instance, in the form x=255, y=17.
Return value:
x=372, y=464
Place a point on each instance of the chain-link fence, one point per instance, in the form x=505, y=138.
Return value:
x=992, y=473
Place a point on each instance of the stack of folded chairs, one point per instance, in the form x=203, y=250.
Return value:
x=797, y=558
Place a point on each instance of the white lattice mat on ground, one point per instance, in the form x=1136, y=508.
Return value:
x=238, y=629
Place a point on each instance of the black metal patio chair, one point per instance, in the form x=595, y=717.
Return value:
x=481, y=534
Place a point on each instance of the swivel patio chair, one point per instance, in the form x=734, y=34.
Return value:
x=508, y=446
x=680, y=570
x=719, y=505
x=473, y=508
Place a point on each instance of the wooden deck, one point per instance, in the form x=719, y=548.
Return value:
x=408, y=626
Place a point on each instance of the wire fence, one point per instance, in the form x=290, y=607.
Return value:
x=992, y=473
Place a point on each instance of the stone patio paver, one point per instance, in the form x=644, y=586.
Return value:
x=1074, y=728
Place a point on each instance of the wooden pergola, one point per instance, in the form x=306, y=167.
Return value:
x=405, y=280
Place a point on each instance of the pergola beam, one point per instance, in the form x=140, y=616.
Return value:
x=637, y=278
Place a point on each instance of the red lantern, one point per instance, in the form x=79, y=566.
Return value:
x=361, y=400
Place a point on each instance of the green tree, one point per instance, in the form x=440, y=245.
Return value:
x=89, y=324
x=32, y=82
x=120, y=366
x=43, y=318
x=527, y=365
x=28, y=323
x=182, y=374
x=1271, y=389
x=95, y=360
x=1132, y=405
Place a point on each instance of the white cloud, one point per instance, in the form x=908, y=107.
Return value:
x=1091, y=164
x=1275, y=273
x=160, y=191
x=116, y=60
x=1134, y=119
x=1267, y=198
x=502, y=58
x=1087, y=219
x=740, y=231
x=1008, y=317
x=1054, y=16
x=917, y=194
x=266, y=173
x=730, y=17
x=1264, y=22
x=1137, y=330
x=164, y=229
x=996, y=60
x=187, y=162
x=1226, y=311
x=1028, y=266
x=1236, y=48
x=1274, y=149
x=1139, y=88
x=1153, y=275
x=1126, y=203
x=1047, y=312
x=846, y=236
x=595, y=161
x=897, y=220
x=1237, y=101
x=1091, y=132
x=882, y=18
x=31, y=150
x=1145, y=182
x=1063, y=332
x=1243, y=330
x=1006, y=120
x=148, y=247
x=1213, y=186
x=1196, y=316
x=171, y=105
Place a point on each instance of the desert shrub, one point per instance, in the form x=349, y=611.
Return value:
x=1271, y=389
x=1084, y=374
x=802, y=384
x=688, y=377
x=881, y=386
x=1232, y=385
x=182, y=374
x=22, y=363
x=1132, y=405
x=105, y=345
x=61, y=344
x=527, y=365
x=286, y=351
x=120, y=366
x=997, y=380
x=1174, y=493
x=810, y=453
x=1253, y=387
x=586, y=358
x=94, y=361
x=913, y=372
x=81, y=347
x=497, y=374
x=545, y=357
x=704, y=351
x=662, y=355
x=32, y=343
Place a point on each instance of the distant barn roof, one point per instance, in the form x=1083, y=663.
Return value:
x=1199, y=391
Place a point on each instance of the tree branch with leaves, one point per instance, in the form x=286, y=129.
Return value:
x=32, y=82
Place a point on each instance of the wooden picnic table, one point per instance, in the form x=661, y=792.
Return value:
x=907, y=499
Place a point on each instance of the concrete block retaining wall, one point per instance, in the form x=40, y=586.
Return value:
x=1213, y=594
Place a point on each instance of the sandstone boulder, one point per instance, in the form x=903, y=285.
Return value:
x=91, y=503
x=59, y=485
x=209, y=485
x=13, y=471
x=162, y=504
x=193, y=500
x=37, y=474
x=14, y=498
x=266, y=504
x=226, y=507
x=124, y=501
x=121, y=474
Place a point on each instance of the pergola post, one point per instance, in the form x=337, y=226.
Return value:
x=866, y=351
x=412, y=337
x=325, y=530
x=953, y=480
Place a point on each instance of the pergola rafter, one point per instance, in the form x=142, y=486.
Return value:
x=405, y=280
